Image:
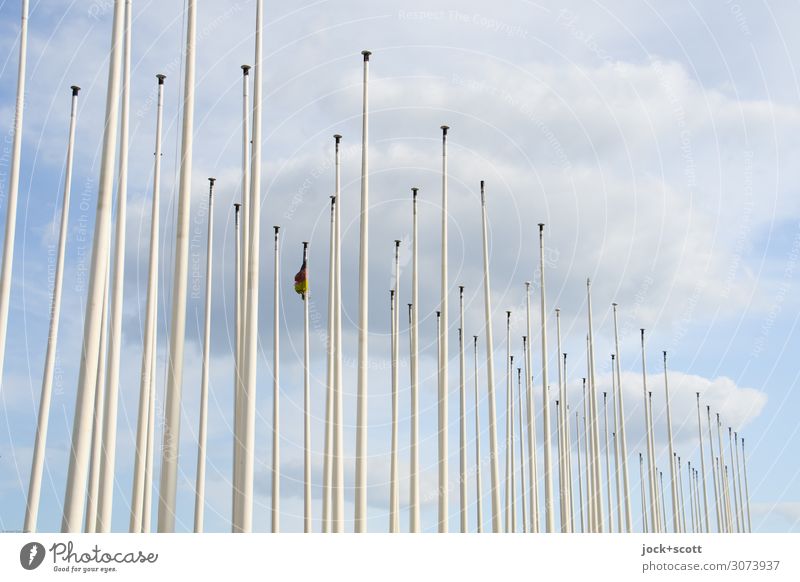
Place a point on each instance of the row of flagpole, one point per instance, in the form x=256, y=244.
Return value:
x=92, y=455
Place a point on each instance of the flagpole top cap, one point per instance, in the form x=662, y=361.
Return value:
x=366, y=54
x=212, y=180
x=161, y=77
x=396, y=243
x=461, y=289
x=305, y=244
x=246, y=70
x=237, y=206
x=277, y=228
x=337, y=137
x=444, y=129
x=75, y=89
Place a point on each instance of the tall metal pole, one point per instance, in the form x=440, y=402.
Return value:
x=37, y=464
x=306, y=403
x=732, y=450
x=13, y=184
x=150, y=331
x=626, y=488
x=617, y=471
x=644, y=495
x=714, y=472
x=562, y=491
x=672, y=476
x=360, y=518
x=87, y=378
x=548, y=463
x=236, y=497
x=521, y=454
x=722, y=480
x=509, y=497
x=703, y=467
x=478, y=489
x=327, y=469
x=580, y=486
x=444, y=352
x=200, y=482
x=394, y=509
x=413, y=504
x=533, y=473
x=746, y=490
x=487, y=304
x=276, y=393
x=739, y=482
x=649, y=436
x=658, y=525
x=594, y=423
x=337, y=476
x=172, y=416
x=608, y=466
x=462, y=414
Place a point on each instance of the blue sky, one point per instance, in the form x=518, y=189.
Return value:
x=656, y=143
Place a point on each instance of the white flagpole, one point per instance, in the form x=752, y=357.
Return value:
x=594, y=423
x=150, y=330
x=90, y=522
x=147, y=499
x=560, y=451
x=589, y=517
x=570, y=493
x=513, y=471
x=444, y=356
x=697, y=500
x=242, y=259
x=462, y=416
x=276, y=394
x=676, y=460
x=337, y=462
x=732, y=449
x=394, y=509
x=663, y=503
x=478, y=490
x=413, y=509
x=172, y=416
x=251, y=290
x=109, y=442
x=746, y=490
x=327, y=470
x=548, y=463
x=644, y=495
x=509, y=497
x=702, y=466
x=521, y=454
x=739, y=482
x=237, y=384
x=649, y=437
x=657, y=526
x=13, y=187
x=626, y=489
x=608, y=466
x=580, y=486
x=672, y=477
x=714, y=472
x=200, y=481
x=37, y=464
x=691, y=501
x=360, y=518
x=306, y=404
x=87, y=379
x=562, y=500
x=615, y=442
x=728, y=499
x=487, y=304
x=723, y=480
x=533, y=473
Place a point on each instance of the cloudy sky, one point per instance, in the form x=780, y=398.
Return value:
x=655, y=142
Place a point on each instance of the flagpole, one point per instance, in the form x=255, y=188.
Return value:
x=533, y=473
x=462, y=416
x=276, y=403
x=649, y=436
x=360, y=518
x=147, y=498
x=589, y=516
x=513, y=471
x=746, y=490
x=13, y=186
x=559, y=452
x=702, y=466
x=732, y=449
x=626, y=489
x=241, y=306
x=723, y=480
x=739, y=481
x=548, y=464
x=327, y=470
x=487, y=303
x=714, y=471
x=594, y=423
x=608, y=466
x=251, y=290
x=172, y=418
x=394, y=503
x=87, y=379
x=614, y=390
x=444, y=355
x=414, y=524
x=560, y=429
x=337, y=462
x=478, y=490
x=644, y=495
x=580, y=486
x=237, y=384
x=663, y=504
x=728, y=499
x=509, y=497
x=683, y=528
x=675, y=525
x=37, y=464
x=90, y=521
x=571, y=509
x=521, y=453
x=306, y=402
x=200, y=482
x=657, y=526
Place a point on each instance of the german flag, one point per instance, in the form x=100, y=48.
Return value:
x=301, y=279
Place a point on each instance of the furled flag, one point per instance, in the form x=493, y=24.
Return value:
x=301, y=279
